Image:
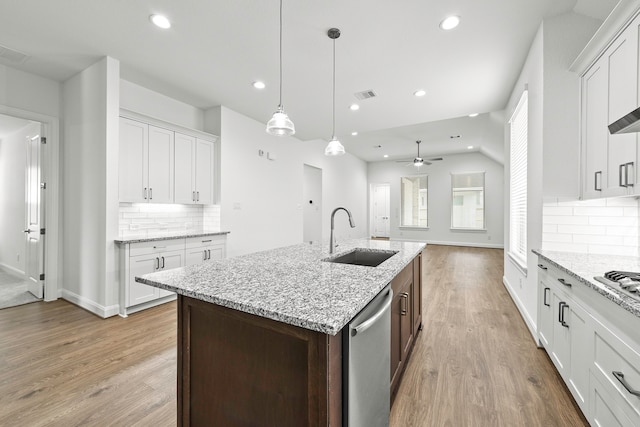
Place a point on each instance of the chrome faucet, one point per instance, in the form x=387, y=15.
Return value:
x=333, y=214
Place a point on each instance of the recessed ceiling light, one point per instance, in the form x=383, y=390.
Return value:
x=450, y=22
x=473, y=115
x=259, y=85
x=354, y=133
x=354, y=107
x=454, y=136
x=419, y=93
x=160, y=21
x=470, y=147
x=385, y=156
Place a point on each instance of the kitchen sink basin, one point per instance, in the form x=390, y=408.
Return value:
x=366, y=257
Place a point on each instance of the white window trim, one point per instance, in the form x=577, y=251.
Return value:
x=518, y=256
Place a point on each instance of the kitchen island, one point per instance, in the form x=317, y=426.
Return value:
x=260, y=336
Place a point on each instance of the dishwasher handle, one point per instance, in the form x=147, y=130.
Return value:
x=370, y=321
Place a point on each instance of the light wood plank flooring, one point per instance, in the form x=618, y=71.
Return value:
x=474, y=364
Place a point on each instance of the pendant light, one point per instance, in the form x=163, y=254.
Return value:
x=280, y=124
x=334, y=148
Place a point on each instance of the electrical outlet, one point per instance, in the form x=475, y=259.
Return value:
x=18, y=257
x=521, y=282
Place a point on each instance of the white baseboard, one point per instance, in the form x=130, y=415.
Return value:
x=13, y=270
x=523, y=311
x=89, y=305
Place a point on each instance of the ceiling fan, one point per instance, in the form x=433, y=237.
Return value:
x=419, y=161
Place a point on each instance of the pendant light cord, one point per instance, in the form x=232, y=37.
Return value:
x=334, y=89
x=280, y=102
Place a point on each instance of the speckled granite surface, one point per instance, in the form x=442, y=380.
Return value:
x=169, y=236
x=585, y=266
x=291, y=284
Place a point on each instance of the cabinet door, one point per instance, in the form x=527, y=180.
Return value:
x=581, y=349
x=416, y=296
x=545, y=314
x=396, y=346
x=184, y=175
x=169, y=260
x=139, y=265
x=161, y=165
x=406, y=320
x=132, y=158
x=594, y=129
x=561, y=349
x=196, y=256
x=205, y=172
x=622, y=60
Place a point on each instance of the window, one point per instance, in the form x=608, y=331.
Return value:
x=518, y=182
x=413, y=201
x=467, y=202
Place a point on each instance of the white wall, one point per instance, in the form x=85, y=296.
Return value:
x=145, y=101
x=13, y=164
x=552, y=141
x=262, y=199
x=90, y=168
x=439, y=199
x=29, y=92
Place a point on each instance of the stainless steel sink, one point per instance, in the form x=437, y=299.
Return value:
x=366, y=257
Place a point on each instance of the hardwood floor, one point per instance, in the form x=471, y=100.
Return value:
x=474, y=364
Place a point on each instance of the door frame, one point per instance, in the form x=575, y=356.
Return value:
x=372, y=187
x=51, y=175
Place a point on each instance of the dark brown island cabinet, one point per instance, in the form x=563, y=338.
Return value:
x=239, y=369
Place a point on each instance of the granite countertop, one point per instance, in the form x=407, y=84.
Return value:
x=168, y=236
x=291, y=284
x=585, y=266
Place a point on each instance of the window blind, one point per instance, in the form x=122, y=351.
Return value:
x=518, y=182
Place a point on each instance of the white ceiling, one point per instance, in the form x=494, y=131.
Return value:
x=217, y=48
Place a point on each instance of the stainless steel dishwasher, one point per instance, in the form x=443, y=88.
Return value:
x=366, y=350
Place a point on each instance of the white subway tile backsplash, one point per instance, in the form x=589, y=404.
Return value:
x=143, y=220
x=598, y=211
x=607, y=226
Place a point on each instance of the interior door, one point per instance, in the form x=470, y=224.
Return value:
x=312, y=204
x=381, y=210
x=34, y=218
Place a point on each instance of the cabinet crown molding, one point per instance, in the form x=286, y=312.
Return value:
x=167, y=125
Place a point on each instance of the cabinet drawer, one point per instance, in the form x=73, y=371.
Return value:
x=604, y=410
x=199, y=242
x=157, y=246
x=560, y=278
x=611, y=355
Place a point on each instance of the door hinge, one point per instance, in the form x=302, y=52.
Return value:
x=42, y=231
x=43, y=139
x=42, y=276
x=43, y=185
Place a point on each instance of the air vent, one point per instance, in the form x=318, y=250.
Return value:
x=12, y=55
x=365, y=94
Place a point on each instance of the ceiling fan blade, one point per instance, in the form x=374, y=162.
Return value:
x=435, y=159
x=404, y=160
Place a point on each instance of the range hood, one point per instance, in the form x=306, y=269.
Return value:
x=629, y=123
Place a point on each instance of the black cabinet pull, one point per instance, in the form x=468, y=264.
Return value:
x=561, y=308
x=162, y=262
x=157, y=263
x=209, y=252
x=620, y=377
x=597, y=187
x=542, y=267
x=545, y=297
x=204, y=255
x=564, y=282
x=622, y=166
x=626, y=174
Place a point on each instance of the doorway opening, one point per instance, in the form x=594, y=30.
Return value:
x=312, y=204
x=380, y=211
x=21, y=211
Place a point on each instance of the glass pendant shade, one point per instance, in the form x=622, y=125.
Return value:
x=334, y=148
x=280, y=124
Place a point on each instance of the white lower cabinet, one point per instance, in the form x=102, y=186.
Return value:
x=600, y=367
x=150, y=257
x=200, y=250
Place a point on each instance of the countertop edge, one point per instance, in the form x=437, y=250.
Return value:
x=173, y=237
x=612, y=294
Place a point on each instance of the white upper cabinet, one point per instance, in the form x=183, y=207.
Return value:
x=133, y=161
x=185, y=173
x=160, y=165
x=609, y=91
x=205, y=156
